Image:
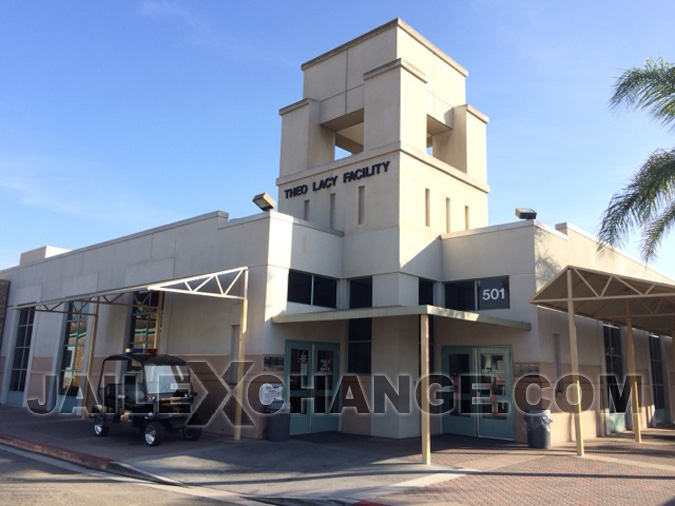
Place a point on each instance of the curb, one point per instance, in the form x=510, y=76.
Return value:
x=86, y=460
x=72, y=456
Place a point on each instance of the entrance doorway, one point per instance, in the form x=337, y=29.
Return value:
x=482, y=402
x=311, y=372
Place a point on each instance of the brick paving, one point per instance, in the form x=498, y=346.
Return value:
x=349, y=468
x=545, y=480
x=616, y=471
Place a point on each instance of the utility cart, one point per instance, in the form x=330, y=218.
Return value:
x=152, y=392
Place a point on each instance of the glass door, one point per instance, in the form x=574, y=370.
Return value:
x=493, y=395
x=457, y=364
x=325, y=416
x=311, y=371
x=481, y=391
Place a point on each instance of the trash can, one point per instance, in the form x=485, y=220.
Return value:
x=538, y=424
x=279, y=421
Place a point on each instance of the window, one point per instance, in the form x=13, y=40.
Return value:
x=359, y=346
x=362, y=205
x=426, y=292
x=24, y=336
x=360, y=331
x=477, y=294
x=299, y=287
x=658, y=391
x=312, y=289
x=461, y=295
x=144, y=317
x=361, y=292
x=72, y=357
x=614, y=368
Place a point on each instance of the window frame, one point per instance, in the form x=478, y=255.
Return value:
x=314, y=294
x=146, y=307
x=70, y=351
x=360, y=341
x=22, y=348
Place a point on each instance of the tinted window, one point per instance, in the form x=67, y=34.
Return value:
x=325, y=292
x=461, y=295
x=299, y=287
x=361, y=292
x=426, y=292
x=359, y=346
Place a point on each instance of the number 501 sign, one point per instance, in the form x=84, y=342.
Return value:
x=493, y=293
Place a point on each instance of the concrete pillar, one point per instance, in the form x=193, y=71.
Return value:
x=395, y=354
x=395, y=106
x=304, y=142
x=464, y=147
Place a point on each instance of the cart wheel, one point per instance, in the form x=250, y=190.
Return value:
x=153, y=433
x=100, y=428
x=192, y=433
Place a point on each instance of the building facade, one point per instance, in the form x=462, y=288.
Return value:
x=382, y=218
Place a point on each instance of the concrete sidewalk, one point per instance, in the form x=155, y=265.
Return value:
x=345, y=469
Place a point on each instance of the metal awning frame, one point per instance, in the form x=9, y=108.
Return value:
x=214, y=284
x=615, y=298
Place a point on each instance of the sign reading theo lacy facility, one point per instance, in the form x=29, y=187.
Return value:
x=331, y=181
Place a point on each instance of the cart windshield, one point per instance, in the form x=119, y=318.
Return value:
x=167, y=379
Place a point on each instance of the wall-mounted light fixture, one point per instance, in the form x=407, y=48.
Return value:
x=525, y=213
x=264, y=202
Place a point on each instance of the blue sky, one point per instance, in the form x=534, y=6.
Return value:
x=119, y=116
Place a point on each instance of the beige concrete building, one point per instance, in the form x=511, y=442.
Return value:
x=361, y=250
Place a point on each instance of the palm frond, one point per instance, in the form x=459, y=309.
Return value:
x=656, y=231
x=651, y=88
x=639, y=203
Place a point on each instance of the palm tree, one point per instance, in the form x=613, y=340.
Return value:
x=647, y=202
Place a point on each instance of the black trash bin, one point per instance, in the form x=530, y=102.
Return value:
x=279, y=421
x=538, y=423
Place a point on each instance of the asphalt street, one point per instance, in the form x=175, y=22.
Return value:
x=32, y=479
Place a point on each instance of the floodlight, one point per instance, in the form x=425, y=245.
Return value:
x=264, y=202
x=525, y=213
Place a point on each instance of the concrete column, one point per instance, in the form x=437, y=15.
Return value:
x=464, y=147
x=304, y=142
x=395, y=106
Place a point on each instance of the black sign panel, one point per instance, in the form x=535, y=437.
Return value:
x=493, y=293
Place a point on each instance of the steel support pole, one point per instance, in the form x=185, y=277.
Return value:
x=159, y=316
x=574, y=358
x=241, y=356
x=90, y=358
x=635, y=403
x=424, y=387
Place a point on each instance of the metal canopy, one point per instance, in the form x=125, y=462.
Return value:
x=632, y=302
x=613, y=298
x=390, y=311
x=228, y=284
x=222, y=284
